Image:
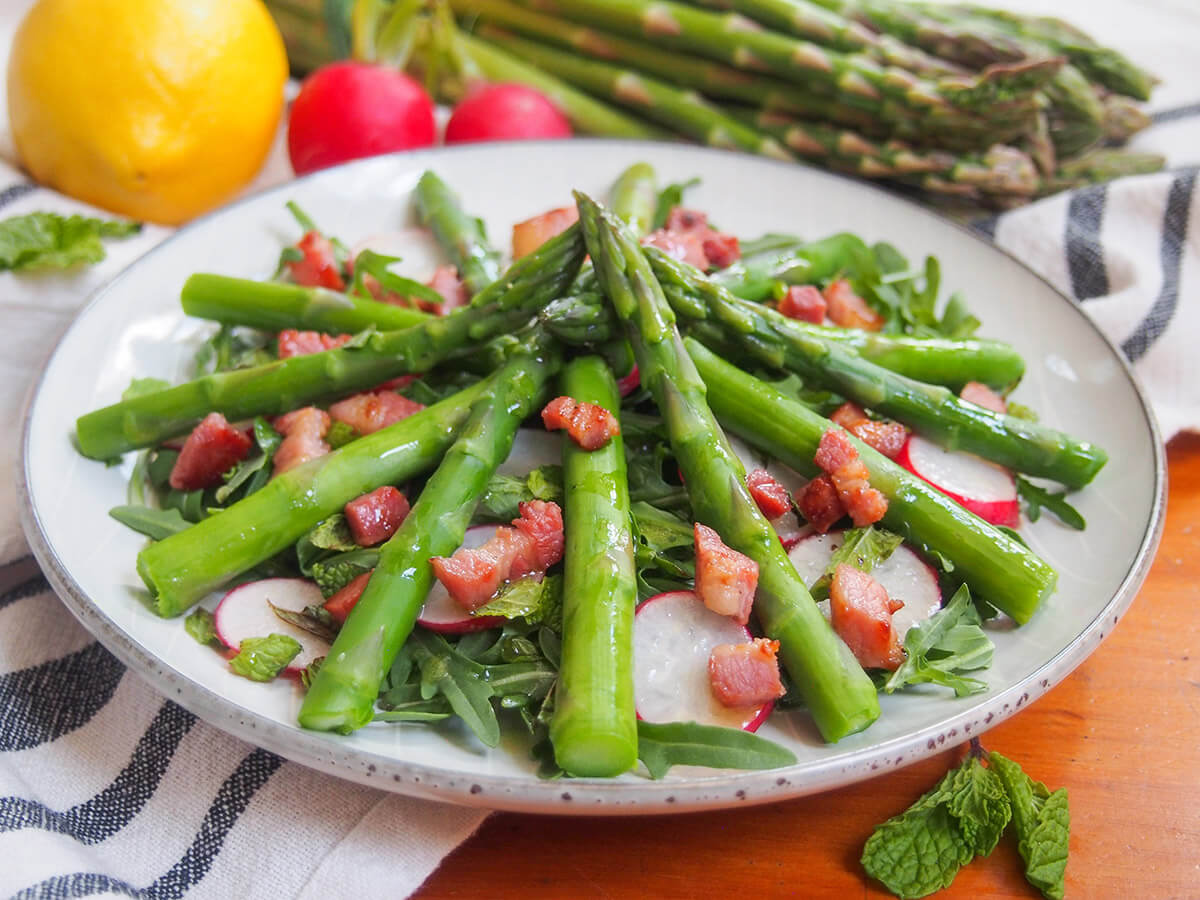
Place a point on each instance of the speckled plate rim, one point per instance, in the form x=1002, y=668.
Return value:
x=592, y=796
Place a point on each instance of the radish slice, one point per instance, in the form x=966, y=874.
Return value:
x=244, y=613
x=673, y=637
x=532, y=447
x=904, y=575
x=630, y=383
x=442, y=613
x=986, y=489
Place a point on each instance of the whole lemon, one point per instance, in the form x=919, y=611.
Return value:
x=155, y=109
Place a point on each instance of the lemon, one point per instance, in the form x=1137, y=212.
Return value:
x=155, y=109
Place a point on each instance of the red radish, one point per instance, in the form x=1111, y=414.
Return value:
x=505, y=112
x=630, y=383
x=986, y=489
x=245, y=612
x=441, y=613
x=904, y=575
x=348, y=110
x=673, y=638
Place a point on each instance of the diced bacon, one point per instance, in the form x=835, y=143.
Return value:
x=680, y=218
x=834, y=451
x=837, y=456
x=374, y=517
x=340, y=604
x=319, y=267
x=848, y=415
x=772, y=497
x=861, y=612
x=687, y=236
x=527, y=236
x=590, y=426
x=367, y=413
x=745, y=674
x=301, y=343
x=303, y=431
x=209, y=451
x=849, y=310
x=819, y=503
x=982, y=395
x=721, y=249
x=886, y=437
x=803, y=302
x=542, y=522
x=446, y=282
x=685, y=246
x=725, y=579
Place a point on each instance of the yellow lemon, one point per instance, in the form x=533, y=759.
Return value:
x=156, y=109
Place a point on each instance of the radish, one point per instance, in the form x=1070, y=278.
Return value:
x=629, y=383
x=504, y=112
x=348, y=110
x=904, y=575
x=986, y=489
x=245, y=612
x=532, y=448
x=673, y=636
x=442, y=613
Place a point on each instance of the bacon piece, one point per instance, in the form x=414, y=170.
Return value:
x=886, y=437
x=803, y=302
x=772, y=497
x=446, y=282
x=318, y=267
x=725, y=579
x=834, y=451
x=302, y=430
x=837, y=456
x=721, y=249
x=542, y=522
x=374, y=517
x=848, y=415
x=340, y=604
x=209, y=451
x=527, y=236
x=301, y=343
x=819, y=503
x=982, y=395
x=590, y=426
x=680, y=218
x=370, y=411
x=861, y=612
x=685, y=246
x=745, y=674
x=849, y=310
x=686, y=236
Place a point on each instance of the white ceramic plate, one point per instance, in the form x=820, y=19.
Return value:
x=134, y=327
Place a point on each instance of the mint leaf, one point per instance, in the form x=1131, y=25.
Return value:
x=665, y=744
x=200, y=625
x=504, y=493
x=45, y=240
x=943, y=646
x=334, y=573
x=980, y=805
x=536, y=600
x=1043, y=824
x=261, y=659
x=1038, y=498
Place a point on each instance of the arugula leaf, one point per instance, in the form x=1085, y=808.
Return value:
x=335, y=572
x=378, y=266
x=505, y=493
x=536, y=600
x=947, y=643
x=460, y=680
x=668, y=198
x=340, y=252
x=862, y=548
x=156, y=524
x=1038, y=498
x=665, y=744
x=1043, y=824
x=663, y=550
x=262, y=658
x=232, y=348
x=46, y=240
x=252, y=474
x=200, y=625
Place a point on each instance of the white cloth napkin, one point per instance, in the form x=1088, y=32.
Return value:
x=105, y=788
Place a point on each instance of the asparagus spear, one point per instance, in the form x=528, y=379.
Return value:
x=283, y=385
x=928, y=409
x=460, y=235
x=634, y=197
x=342, y=696
x=839, y=694
x=594, y=729
x=996, y=567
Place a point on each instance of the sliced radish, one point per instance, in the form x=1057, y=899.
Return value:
x=904, y=575
x=630, y=383
x=986, y=489
x=245, y=612
x=442, y=613
x=673, y=636
x=532, y=447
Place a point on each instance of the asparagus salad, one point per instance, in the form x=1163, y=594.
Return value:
x=751, y=477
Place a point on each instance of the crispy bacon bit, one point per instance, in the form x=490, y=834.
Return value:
x=848, y=415
x=369, y=412
x=301, y=343
x=849, y=310
x=340, y=604
x=687, y=236
x=590, y=426
x=772, y=497
x=319, y=266
x=685, y=246
x=745, y=674
x=527, y=236
x=446, y=282
x=982, y=395
x=680, y=218
x=374, y=517
x=837, y=456
x=209, y=451
x=886, y=437
x=819, y=503
x=302, y=430
x=472, y=576
x=721, y=249
x=725, y=579
x=803, y=302
x=861, y=611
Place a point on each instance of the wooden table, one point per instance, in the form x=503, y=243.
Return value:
x=1122, y=733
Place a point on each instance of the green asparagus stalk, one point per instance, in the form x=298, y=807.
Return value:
x=181, y=569
x=996, y=567
x=634, y=197
x=342, y=696
x=594, y=729
x=839, y=694
x=460, y=235
x=280, y=386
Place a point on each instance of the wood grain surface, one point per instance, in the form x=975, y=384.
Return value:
x=1122, y=733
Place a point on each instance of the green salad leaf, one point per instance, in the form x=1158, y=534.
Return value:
x=201, y=626
x=504, y=494
x=862, y=548
x=668, y=198
x=156, y=524
x=262, y=658
x=940, y=648
x=1038, y=498
x=536, y=600
x=335, y=572
x=665, y=744
x=46, y=240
